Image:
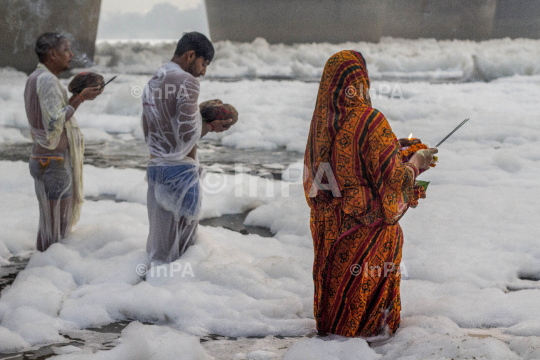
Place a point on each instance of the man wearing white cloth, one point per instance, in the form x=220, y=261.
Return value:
x=172, y=125
x=57, y=155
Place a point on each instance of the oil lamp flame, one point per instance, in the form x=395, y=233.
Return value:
x=410, y=136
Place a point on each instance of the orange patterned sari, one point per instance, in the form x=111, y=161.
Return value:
x=357, y=188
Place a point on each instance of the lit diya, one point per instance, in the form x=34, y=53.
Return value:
x=408, y=151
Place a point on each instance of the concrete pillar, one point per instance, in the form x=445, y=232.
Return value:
x=295, y=21
x=517, y=18
x=22, y=21
x=440, y=19
x=337, y=21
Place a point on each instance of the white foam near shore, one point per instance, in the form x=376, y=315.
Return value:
x=426, y=59
x=80, y=283
x=476, y=245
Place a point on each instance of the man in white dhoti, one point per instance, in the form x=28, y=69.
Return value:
x=57, y=155
x=172, y=125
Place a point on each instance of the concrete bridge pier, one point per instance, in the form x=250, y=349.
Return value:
x=440, y=19
x=517, y=19
x=22, y=21
x=298, y=21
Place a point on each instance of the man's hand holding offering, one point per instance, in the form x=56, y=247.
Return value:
x=90, y=93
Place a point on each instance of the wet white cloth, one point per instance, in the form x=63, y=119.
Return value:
x=53, y=180
x=172, y=125
x=174, y=202
x=171, y=113
x=47, y=104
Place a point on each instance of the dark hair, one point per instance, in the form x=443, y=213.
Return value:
x=195, y=41
x=46, y=43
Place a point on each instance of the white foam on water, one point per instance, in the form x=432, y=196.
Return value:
x=426, y=59
x=470, y=252
x=277, y=114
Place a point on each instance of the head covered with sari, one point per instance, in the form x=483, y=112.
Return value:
x=344, y=88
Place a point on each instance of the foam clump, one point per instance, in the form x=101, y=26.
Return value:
x=146, y=342
x=333, y=347
x=422, y=337
x=11, y=342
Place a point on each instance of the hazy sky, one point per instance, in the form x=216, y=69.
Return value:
x=151, y=19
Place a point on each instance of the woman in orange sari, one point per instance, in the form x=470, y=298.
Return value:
x=357, y=188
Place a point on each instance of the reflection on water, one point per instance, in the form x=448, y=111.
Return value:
x=10, y=271
x=133, y=154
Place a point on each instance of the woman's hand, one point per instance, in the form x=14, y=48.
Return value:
x=406, y=142
x=423, y=158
